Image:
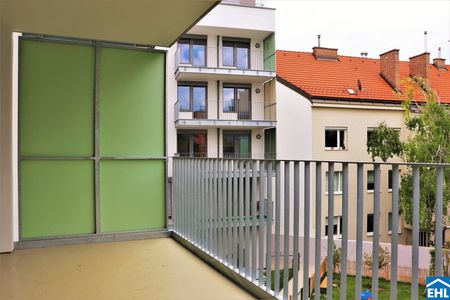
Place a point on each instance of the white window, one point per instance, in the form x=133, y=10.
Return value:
x=335, y=138
x=337, y=182
x=370, y=181
x=337, y=226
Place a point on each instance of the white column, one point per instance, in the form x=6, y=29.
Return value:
x=6, y=134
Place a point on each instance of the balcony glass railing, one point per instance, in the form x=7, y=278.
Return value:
x=212, y=197
x=224, y=57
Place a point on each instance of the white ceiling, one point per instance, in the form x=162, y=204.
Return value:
x=152, y=22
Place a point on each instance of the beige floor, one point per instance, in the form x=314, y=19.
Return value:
x=150, y=269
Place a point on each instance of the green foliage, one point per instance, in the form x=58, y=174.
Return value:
x=384, y=258
x=384, y=143
x=429, y=141
x=337, y=256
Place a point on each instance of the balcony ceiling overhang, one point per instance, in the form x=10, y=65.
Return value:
x=148, y=22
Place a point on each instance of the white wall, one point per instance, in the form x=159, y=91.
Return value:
x=294, y=124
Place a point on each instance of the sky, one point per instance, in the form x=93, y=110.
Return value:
x=372, y=26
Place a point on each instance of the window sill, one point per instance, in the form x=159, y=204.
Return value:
x=390, y=232
x=370, y=234
x=335, y=149
x=389, y=190
x=335, y=193
x=370, y=191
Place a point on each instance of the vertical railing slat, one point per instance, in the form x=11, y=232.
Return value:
x=215, y=206
x=318, y=234
x=220, y=209
x=359, y=228
x=286, y=217
x=254, y=224
x=344, y=245
x=306, y=230
x=376, y=230
x=330, y=237
x=241, y=217
x=439, y=219
x=261, y=222
x=230, y=211
x=269, y=228
x=247, y=218
x=277, y=227
x=394, y=237
x=415, y=232
x=296, y=211
x=235, y=214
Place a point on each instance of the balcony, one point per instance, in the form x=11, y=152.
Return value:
x=247, y=114
x=212, y=64
x=212, y=197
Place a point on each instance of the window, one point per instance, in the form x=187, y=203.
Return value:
x=236, y=54
x=370, y=223
x=370, y=181
x=192, y=52
x=390, y=222
x=390, y=180
x=237, y=99
x=337, y=182
x=192, y=98
x=369, y=133
x=337, y=226
x=192, y=143
x=335, y=139
x=237, y=144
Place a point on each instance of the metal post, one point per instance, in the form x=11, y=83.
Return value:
x=286, y=217
x=394, y=237
x=241, y=217
x=318, y=236
x=261, y=221
x=296, y=228
x=359, y=228
x=376, y=230
x=344, y=245
x=330, y=244
x=235, y=214
x=439, y=219
x=247, y=218
x=220, y=210
x=415, y=232
x=269, y=228
x=254, y=224
x=277, y=227
x=306, y=230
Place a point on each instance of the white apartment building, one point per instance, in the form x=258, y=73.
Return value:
x=216, y=74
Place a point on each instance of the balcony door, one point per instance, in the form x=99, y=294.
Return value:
x=237, y=99
x=192, y=51
x=192, y=143
x=192, y=98
x=236, y=53
x=237, y=144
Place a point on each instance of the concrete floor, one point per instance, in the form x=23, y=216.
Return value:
x=149, y=269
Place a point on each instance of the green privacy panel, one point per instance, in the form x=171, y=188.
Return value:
x=132, y=195
x=269, y=53
x=131, y=103
x=57, y=198
x=56, y=99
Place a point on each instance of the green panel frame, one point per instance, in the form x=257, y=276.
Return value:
x=56, y=109
x=57, y=198
x=132, y=195
x=269, y=53
x=132, y=103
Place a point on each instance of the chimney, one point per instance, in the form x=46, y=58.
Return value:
x=321, y=53
x=389, y=67
x=419, y=65
x=439, y=63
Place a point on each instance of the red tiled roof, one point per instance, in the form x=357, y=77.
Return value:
x=332, y=79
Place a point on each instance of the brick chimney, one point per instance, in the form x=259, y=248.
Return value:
x=321, y=53
x=419, y=65
x=389, y=67
x=439, y=63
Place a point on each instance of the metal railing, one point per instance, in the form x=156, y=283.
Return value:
x=213, y=58
x=228, y=110
x=213, y=197
x=270, y=111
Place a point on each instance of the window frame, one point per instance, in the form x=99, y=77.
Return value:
x=338, y=146
x=340, y=181
x=236, y=42
x=236, y=88
x=368, y=190
x=337, y=220
x=191, y=134
x=191, y=41
x=369, y=233
x=191, y=86
x=236, y=133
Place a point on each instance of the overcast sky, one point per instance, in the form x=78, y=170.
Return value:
x=373, y=26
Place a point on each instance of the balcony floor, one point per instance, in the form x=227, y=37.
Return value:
x=147, y=269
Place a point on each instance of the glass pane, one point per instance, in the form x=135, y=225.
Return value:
x=199, y=102
x=243, y=58
x=244, y=104
x=199, y=54
x=370, y=223
x=370, y=180
x=342, y=139
x=228, y=145
x=199, y=145
x=183, y=53
x=337, y=182
x=390, y=221
x=390, y=179
x=183, y=141
x=228, y=55
x=183, y=98
x=330, y=138
x=244, y=146
x=229, y=103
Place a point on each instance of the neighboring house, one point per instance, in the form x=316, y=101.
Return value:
x=216, y=74
x=328, y=105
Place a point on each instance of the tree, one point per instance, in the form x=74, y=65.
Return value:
x=384, y=258
x=337, y=257
x=429, y=141
x=384, y=142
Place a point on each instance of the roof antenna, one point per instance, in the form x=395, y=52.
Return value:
x=425, y=40
x=318, y=40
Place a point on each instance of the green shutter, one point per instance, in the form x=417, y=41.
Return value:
x=269, y=53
